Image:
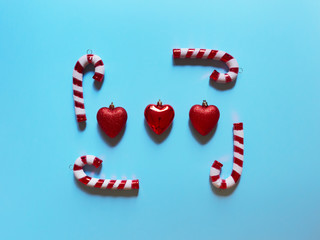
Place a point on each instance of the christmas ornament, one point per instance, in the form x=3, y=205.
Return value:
x=77, y=81
x=112, y=120
x=159, y=117
x=215, y=55
x=204, y=118
x=237, y=161
x=99, y=183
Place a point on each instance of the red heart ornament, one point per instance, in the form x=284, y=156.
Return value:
x=159, y=117
x=204, y=118
x=112, y=120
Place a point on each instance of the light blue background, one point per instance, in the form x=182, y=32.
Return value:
x=277, y=97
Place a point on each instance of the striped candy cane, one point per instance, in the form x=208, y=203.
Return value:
x=77, y=81
x=215, y=55
x=237, y=161
x=99, y=183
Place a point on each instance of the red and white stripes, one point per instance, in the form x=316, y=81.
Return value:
x=100, y=183
x=215, y=55
x=77, y=81
x=237, y=161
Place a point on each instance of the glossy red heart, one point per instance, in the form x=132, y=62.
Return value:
x=204, y=118
x=112, y=120
x=159, y=117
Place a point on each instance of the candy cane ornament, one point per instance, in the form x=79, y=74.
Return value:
x=100, y=183
x=231, y=62
x=237, y=161
x=77, y=81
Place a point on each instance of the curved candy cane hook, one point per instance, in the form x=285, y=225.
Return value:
x=77, y=81
x=237, y=161
x=99, y=183
x=215, y=55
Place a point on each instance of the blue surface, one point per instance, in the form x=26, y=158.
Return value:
x=276, y=96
